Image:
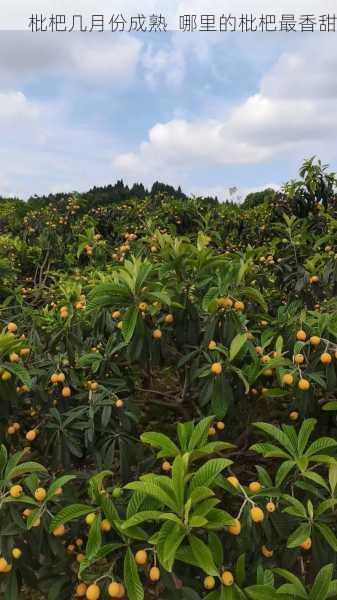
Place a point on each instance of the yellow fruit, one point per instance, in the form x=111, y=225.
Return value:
x=293, y=416
x=37, y=522
x=258, y=349
x=93, y=386
x=314, y=279
x=239, y=306
x=59, y=531
x=61, y=377
x=306, y=544
x=212, y=345
x=268, y=372
x=116, y=590
x=11, y=430
x=235, y=529
x=270, y=507
x=14, y=357
x=81, y=590
x=79, y=542
x=157, y=334
x=154, y=574
x=211, y=431
x=143, y=306
x=89, y=519
x=141, y=557
x=216, y=368
x=16, y=426
x=301, y=335
x=257, y=514
x=265, y=359
x=169, y=319
x=54, y=378
x=16, y=491
x=12, y=327
x=315, y=340
x=303, y=385
x=254, y=487
x=209, y=582
x=166, y=466
x=227, y=578
x=326, y=358
x=66, y=392
x=226, y=302
x=58, y=491
x=299, y=359
x=24, y=351
x=3, y=565
x=220, y=425
x=6, y=376
x=116, y=314
x=31, y=435
x=16, y=553
x=93, y=592
x=80, y=557
x=287, y=379
x=233, y=481
x=40, y=494
x=266, y=552
x=106, y=525
x=119, y=403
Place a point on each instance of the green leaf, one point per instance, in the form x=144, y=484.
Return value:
x=328, y=535
x=236, y=345
x=58, y=483
x=304, y=434
x=12, y=588
x=322, y=583
x=69, y=513
x=159, y=440
x=167, y=551
x=208, y=472
x=240, y=569
x=23, y=469
x=216, y=548
x=178, y=479
x=203, y=555
x=153, y=489
x=129, y=323
x=131, y=578
x=200, y=433
x=283, y=470
x=277, y=434
x=20, y=372
x=333, y=477
x=322, y=443
x=94, y=539
x=295, y=581
x=298, y=536
x=149, y=515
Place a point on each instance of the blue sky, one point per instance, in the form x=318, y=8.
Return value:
x=202, y=110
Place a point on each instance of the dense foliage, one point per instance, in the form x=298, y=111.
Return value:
x=168, y=376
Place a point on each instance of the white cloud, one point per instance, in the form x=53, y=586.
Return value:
x=113, y=59
x=15, y=106
x=264, y=126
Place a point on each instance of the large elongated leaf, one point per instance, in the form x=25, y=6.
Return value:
x=236, y=345
x=203, y=555
x=69, y=513
x=131, y=577
x=159, y=440
x=208, y=472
